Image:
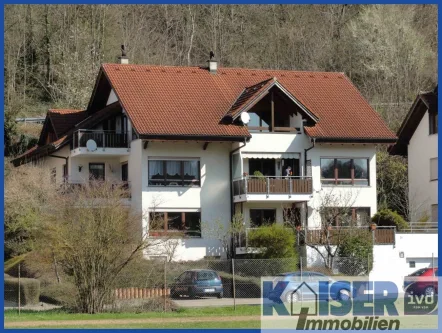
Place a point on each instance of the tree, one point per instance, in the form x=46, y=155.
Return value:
x=388, y=218
x=356, y=254
x=93, y=236
x=29, y=191
x=274, y=241
x=229, y=236
x=330, y=207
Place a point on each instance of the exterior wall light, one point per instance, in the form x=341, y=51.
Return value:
x=401, y=254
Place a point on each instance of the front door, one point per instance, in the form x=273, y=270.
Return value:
x=124, y=172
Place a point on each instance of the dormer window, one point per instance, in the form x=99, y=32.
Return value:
x=272, y=108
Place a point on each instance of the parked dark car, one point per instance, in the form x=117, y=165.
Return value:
x=339, y=290
x=422, y=282
x=197, y=282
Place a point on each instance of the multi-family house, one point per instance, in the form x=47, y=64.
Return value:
x=417, y=140
x=200, y=144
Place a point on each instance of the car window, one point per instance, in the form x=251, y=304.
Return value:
x=419, y=272
x=206, y=275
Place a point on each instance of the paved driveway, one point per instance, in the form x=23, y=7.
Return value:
x=208, y=301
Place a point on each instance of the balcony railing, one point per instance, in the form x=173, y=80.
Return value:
x=103, y=139
x=272, y=185
x=332, y=236
x=421, y=228
x=382, y=235
x=70, y=185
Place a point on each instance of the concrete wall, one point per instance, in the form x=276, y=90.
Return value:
x=422, y=191
x=389, y=266
x=57, y=163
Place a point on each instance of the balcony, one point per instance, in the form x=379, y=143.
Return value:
x=98, y=142
x=334, y=235
x=71, y=185
x=252, y=188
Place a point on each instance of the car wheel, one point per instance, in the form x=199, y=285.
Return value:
x=289, y=297
x=174, y=294
x=343, y=295
x=220, y=295
x=429, y=291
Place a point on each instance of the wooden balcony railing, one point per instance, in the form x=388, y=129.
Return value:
x=272, y=185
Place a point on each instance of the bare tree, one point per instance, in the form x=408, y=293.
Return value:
x=333, y=208
x=94, y=236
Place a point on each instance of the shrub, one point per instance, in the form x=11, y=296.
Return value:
x=60, y=294
x=29, y=290
x=274, y=241
x=356, y=254
x=388, y=218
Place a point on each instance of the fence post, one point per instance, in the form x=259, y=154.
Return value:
x=432, y=261
x=19, y=291
x=233, y=281
x=165, y=284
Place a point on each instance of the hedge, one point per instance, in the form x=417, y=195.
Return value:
x=29, y=290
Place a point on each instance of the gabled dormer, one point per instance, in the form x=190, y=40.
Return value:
x=269, y=107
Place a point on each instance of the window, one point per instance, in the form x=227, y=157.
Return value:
x=434, y=213
x=433, y=168
x=264, y=165
x=433, y=122
x=187, y=223
x=346, y=216
x=125, y=172
x=344, y=171
x=412, y=264
x=96, y=171
x=174, y=173
x=259, y=217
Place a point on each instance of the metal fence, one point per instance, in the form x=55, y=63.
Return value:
x=200, y=281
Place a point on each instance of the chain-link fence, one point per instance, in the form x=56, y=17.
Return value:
x=207, y=282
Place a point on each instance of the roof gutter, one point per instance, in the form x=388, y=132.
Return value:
x=206, y=138
x=355, y=140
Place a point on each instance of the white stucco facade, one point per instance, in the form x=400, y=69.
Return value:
x=422, y=189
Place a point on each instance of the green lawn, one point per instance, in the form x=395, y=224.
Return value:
x=241, y=310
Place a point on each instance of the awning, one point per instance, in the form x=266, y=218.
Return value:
x=272, y=155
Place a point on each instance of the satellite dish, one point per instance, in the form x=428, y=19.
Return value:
x=91, y=145
x=245, y=118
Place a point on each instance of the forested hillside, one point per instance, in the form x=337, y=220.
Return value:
x=53, y=52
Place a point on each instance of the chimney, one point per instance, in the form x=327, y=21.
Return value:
x=124, y=60
x=213, y=64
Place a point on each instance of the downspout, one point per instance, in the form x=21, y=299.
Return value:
x=231, y=188
x=305, y=174
x=305, y=155
x=66, y=159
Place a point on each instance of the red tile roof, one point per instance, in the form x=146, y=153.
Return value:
x=167, y=100
x=65, y=119
x=248, y=96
